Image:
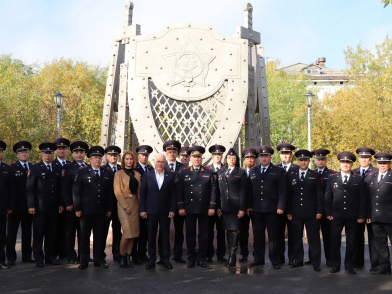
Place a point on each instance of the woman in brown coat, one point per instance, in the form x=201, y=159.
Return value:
x=127, y=190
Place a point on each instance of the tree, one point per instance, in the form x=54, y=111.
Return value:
x=386, y=2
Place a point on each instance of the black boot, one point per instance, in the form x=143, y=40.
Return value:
x=122, y=261
x=233, y=250
x=229, y=237
x=128, y=261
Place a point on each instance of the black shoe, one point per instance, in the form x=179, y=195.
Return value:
x=39, y=264
x=136, y=260
x=297, y=264
x=83, y=266
x=128, y=261
x=222, y=258
x=208, y=259
x=179, y=259
x=328, y=263
x=379, y=271
x=150, y=264
x=160, y=261
x=29, y=260
x=167, y=265
x=334, y=270
x=243, y=258
x=101, y=264
x=191, y=264
x=12, y=262
x=351, y=271
x=291, y=261
x=276, y=266
x=201, y=263
x=123, y=262
x=53, y=261
x=316, y=268
x=256, y=263
x=373, y=269
x=308, y=262
x=4, y=266
x=144, y=258
x=72, y=261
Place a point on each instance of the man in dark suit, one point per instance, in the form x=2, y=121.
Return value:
x=196, y=200
x=267, y=195
x=171, y=148
x=44, y=202
x=286, y=155
x=92, y=194
x=61, y=153
x=7, y=186
x=112, y=156
x=158, y=205
x=216, y=220
x=250, y=156
x=345, y=206
x=305, y=206
x=366, y=168
x=72, y=223
x=18, y=206
x=379, y=188
x=139, y=249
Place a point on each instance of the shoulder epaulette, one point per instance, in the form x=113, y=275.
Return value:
x=207, y=168
x=37, y=163
x=294, y=172
x=240, y=168
x=357, y=175
x=334, y=171
x=12, y=163
x=277, y=165
x=83, y=167
x=373, y=173
x=333, y=174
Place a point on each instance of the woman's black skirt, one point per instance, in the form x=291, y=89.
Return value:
x=230, y=220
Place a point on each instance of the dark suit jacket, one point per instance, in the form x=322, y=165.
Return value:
x=152, y=199
x=109, y=167
x=57, y=162
x=324, y=177
x=179, y=167
x=232, y=190
x=267, y=192
x=379, y=197
x=293, y=168
x=7, y=188
x=369, y=171
x=19, y=202
x=196, y=192
x=305, y=199
x=67, y=179
x=345, y=202
x=43, y=188
x=90, y=196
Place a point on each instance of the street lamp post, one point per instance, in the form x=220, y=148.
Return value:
x=58, y=99
x=309, y=100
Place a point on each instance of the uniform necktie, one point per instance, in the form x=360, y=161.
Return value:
x=227, y=172
x=25, y=167
x=263, y=170
x=382, y=176
x=321, y=172
x=363, y=172
x=145, y=169
x=302, y=176
x=48, y=167
x=286, y=168
x=63, y=163
x=345, y=180
x=96, y=174
x=196, y=170
x=171, y=168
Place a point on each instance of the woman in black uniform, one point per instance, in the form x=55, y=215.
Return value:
x=232, y=204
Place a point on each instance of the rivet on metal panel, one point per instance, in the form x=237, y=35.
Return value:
x=146, y=67
x=243, y=101
x=144, y=79
x=229, y=108
x=154, y=37
x=231, y=53
x=177, y=38
x=165, y=47
x=212, y=48
x=146, y=51
x=208, y=84
x=227, y=118
x=161, y=67
x=231, y=69
x=167, y=84
x=131, y=98
x=232, y=81
x=201, y=39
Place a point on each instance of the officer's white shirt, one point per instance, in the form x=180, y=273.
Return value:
x=321, y=170
x=363, y=169
x=379, y=175
x=82, y=164
x=300, y=173
x=144, y=167
x=50, y=165
x=229, y=170
x=288, y=166
x=23, y=164
x=265, y=168
x=99, y=171
x=160, y=178
x=216, y=166
x=113, y=167
x=174, y=164
x=348, y=177
x=62, y=162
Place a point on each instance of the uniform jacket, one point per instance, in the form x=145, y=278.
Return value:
x=210, y=166
x=196, y=192
x=121, y=187
x=345, y=202
x=232, y=190
x=293, y=168
x=305, y=199
x=57, y=162
x=179, y=167
x=379, y=197
x=140, y=170
x=91, y=196
x=267, y=192
x=43, y=188
x=109, y=168
x=68, y=174
x=325, y=175
x=7, y=188
x=153, y=199
x=19, y=202
x=369, y=171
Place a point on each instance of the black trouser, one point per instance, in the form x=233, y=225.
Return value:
x=372, y=246
x=313, y=232
x=244, y=235
x=116, y=233
x=44, y=226
x=60, y=236
x=215, y=221
x=97, y=223
x=325, y=225
x=337, y=226
x=260, y=221
x=283, y=220
x=72, y=225
x=3, y=229
x=25, y=220
x=360, y=239
x=381, y=233
x=153, y=220
x=139, y=248
x=191, y=221
x=179, y=221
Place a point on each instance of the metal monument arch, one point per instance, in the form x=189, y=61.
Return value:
x=186, y=82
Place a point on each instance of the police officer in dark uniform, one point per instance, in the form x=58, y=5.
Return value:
x=379, y=188
x=61, y=153
x=250, y=156
x=267, y=195
x=171, y=148
x=7, y=192
x=305, y=206
x=20, y=215
x=72, y=223
x=196, y=200
x=92, y=194
x=345, y=206
x=139, y=249
x=44, y=202
x=216, y=220
x=112, y=155
x=366, y=168
x=286, y=155
x=184, y=157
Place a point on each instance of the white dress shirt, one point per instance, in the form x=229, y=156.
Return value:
x=363, y=169
x=160, y=178
x=216, y=166
x=99, y=171
x=113, y=167
x=348, y=177
x=288, y=166
x=384, y=175
x=321, y=170
x=300, y=173
x=23, y=164
x=50, y=165
x=265, y=168
x=174, y=164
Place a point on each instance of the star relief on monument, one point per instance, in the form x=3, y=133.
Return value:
x=189, y=66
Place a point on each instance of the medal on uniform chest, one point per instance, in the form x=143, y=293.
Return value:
x=89, y=179
x=43, y=175
x=335, y=185
x=294, y=182
x=371, y=184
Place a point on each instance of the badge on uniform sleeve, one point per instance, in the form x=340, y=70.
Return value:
x=63, y=173
x=371, y=184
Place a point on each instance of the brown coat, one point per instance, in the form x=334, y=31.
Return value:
x=121, y=187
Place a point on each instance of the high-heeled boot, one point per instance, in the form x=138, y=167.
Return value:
x=128, y=260
x=122, y=261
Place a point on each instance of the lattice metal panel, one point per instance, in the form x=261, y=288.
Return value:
x=191, y=123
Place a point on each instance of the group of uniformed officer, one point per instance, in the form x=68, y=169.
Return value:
x=62, y=200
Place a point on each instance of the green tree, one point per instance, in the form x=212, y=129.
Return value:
x=386, y=2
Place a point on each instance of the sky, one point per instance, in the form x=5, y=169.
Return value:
x=291, y=31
